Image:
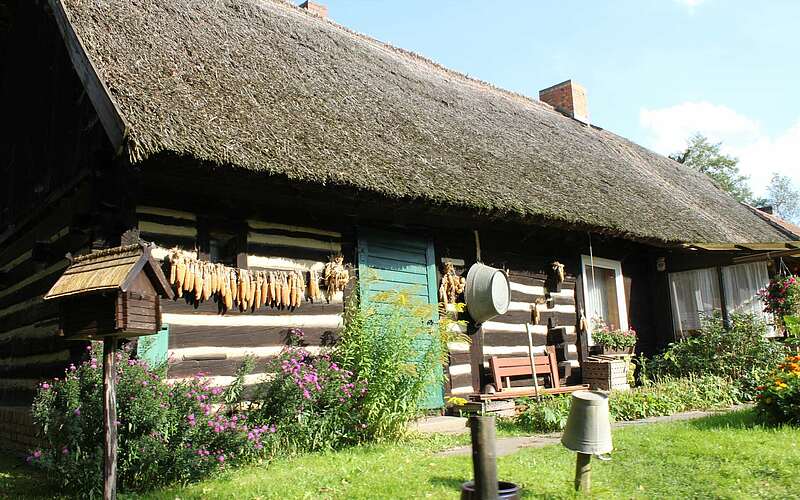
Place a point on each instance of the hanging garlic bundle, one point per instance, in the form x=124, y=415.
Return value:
x=336, y=276
x=451, y=286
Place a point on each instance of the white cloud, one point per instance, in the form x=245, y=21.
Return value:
x=690, y=3
x=759, y=153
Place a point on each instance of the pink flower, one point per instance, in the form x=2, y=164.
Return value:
x=65, y=451
x=77, y=412
x=221, y=458
x=45, y=385
x=37, y=454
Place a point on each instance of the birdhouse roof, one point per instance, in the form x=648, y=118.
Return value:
x=111, y=269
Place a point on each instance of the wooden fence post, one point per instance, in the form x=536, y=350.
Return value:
x=110, y=418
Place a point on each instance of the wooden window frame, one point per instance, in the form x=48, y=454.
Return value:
x=619, y=281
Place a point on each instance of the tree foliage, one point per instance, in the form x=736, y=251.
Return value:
x=706, y=157
x=783, y=197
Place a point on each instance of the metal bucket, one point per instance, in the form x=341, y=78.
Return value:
x=487, y=292
x=505, y=490
x=588, y=428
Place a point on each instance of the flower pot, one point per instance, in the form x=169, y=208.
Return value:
x=599, y=349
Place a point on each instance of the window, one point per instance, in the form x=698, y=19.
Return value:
x=696, y=293
x=693, y=294
x=604, y=292
x=741, y=284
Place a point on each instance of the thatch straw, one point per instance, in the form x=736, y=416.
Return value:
x=103, y=270
x=258, y=84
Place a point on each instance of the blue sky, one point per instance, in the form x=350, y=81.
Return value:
x=655, y=71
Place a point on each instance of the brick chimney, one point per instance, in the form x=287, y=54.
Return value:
x=315, y=8
x=568, y=98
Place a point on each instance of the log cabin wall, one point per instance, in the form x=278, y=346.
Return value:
x=54, y=159
x=201, y=339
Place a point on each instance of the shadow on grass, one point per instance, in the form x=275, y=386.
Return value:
x=19, y=480
x=742, y=419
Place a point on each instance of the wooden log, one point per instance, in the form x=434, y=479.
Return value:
x=109, y=419
x=583, y=473
x=484, y=460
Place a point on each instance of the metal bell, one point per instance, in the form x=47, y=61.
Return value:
x=588, y=428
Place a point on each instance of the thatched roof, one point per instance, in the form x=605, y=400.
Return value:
x=264, y=86
x=105, y=270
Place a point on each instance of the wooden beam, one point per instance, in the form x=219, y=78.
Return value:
x=714, y=247
x=795, y=252
x=760, y=247
x=107, y=110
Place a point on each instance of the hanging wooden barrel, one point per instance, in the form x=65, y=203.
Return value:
x=487, y=292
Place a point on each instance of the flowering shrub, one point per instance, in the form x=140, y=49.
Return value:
x=367, y=387
x=781, y=297
x=741, y=353
x=166, y=432
x=619, y=340
x=311, y=397
x=778, y=399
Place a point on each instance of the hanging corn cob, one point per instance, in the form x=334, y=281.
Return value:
x=207, y=278
x=264, y=289
x=286, y=292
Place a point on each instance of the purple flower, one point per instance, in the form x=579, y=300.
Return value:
x=65, y=451
x=37, y=454
x=221, y=458
x=45, y=385
x=77, y=412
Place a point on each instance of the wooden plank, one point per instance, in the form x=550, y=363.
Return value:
x=518, y=392
x=182, y=336
x=384, y=251
x=107, y=110
x=401, y=277
x=398, y=266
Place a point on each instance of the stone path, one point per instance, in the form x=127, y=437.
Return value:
x=509, y=445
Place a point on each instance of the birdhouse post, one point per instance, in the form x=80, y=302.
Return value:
x=108, y=295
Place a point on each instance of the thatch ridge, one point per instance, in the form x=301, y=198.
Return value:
x=259, y=85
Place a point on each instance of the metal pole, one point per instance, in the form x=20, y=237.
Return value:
x=583, y=473
x=109, y=418
x=484, y=460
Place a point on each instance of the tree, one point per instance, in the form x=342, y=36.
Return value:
x=705, y=157
x=784, y=197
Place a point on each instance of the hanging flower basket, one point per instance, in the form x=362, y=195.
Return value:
x=781, y=298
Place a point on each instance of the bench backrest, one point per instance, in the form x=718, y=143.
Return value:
x=505, y=368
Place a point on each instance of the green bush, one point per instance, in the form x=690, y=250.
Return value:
x=366, y=387
x=669, y=396
x=778, y=400
x=166, y=433
x=312, y=399
x=741, y=353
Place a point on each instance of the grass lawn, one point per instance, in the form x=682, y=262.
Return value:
x=726, y=456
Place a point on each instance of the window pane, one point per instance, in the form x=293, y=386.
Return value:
x=602, y=287
x=693, y=294
x=741, y=284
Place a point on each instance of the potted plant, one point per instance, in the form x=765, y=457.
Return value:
x=608, y=341
x=781, y=298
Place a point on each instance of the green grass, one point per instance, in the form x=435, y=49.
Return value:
x=726, y=456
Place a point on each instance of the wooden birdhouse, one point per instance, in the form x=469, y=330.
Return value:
x=114, y=292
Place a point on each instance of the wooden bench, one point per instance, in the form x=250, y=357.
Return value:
x=503, y=369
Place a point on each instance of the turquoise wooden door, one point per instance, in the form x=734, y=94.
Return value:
x=398, y=262
x=154, y=348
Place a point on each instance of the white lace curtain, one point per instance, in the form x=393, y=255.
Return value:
x=693, y=294
x=741, y=284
